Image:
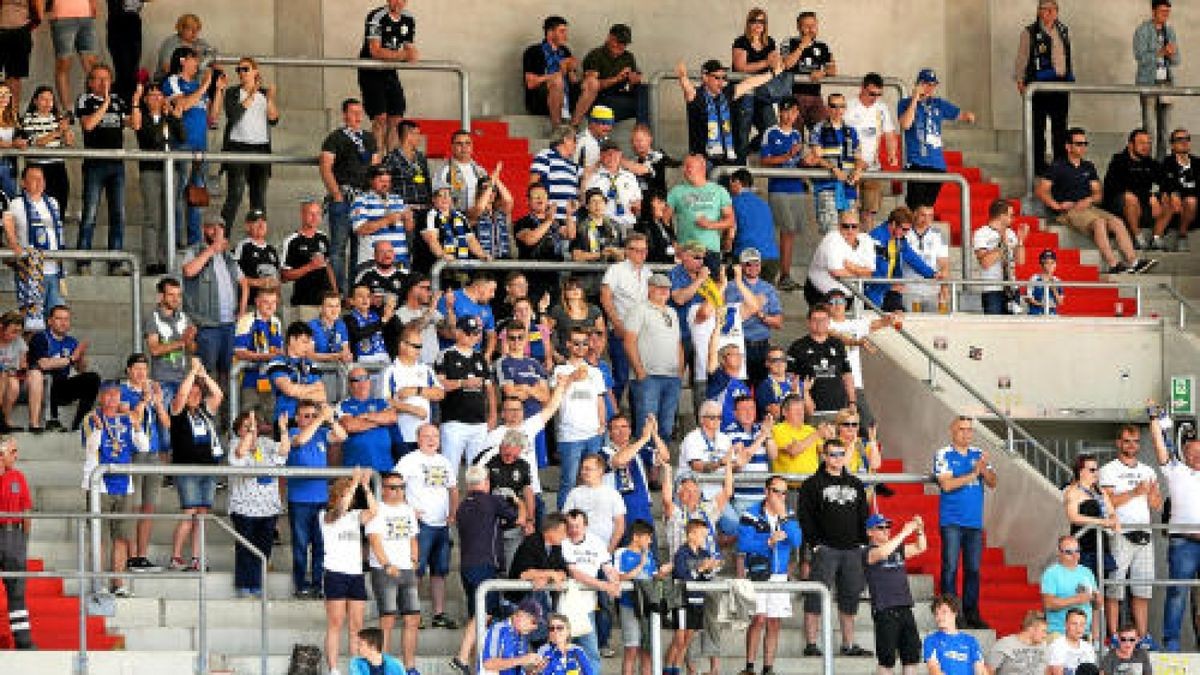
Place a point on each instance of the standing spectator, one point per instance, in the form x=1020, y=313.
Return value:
x=612, y=77
x=257, y=258
x=37, y=223
x=637, y=562
x=875, y=125
x=14, y=533
x=389, y=35
x=647, y=163
x=540, y=235
x=473, y=301
x=142, y=398
x=1134, y=187
x=103, y=115
x=1179, y=183
x=1070, y=188
x=703, y=211
x=254, y=502
x=962, y=472
x=1182, y=473
x=809, y=61
x=832, y=509
x=558, y=174
x=346, y=153
x=525, y=379
x=409, y=167
x=170, y=337
x=622, y=291
x=895, y=259
x=469, y=403
x=192, y=96
x=921, y=117
x=552, y=80
x=627, y=470
x=1067, y=655
x=948, y=651
x=927, y=241
x=394, y=552
x=767, y=536
x=432, y=489
x=693, y=560
x=620, y=187
x=776, y=385
x=53, y=355
x=411, y=387
x=331, y=342
x=848, y=253
x=835, y=146
x=998, y=250
x=1024, y=652
x=821, y=358
x=344, y=582
x=17, y=25
x=310, y=443
x=597, y=237
x=160, y=130
x=855, y=334
x=726, y=360
x=292, y=377
x=799, y=443
x=367, y=420
x=385, y=280
x=12, y=136
x=250, y=112
x=1133, y=488
x=380, y=215
x=505, y=647
x=754, y=226
x=581, y=423
x=754, y=52
x=494, y=204
x=653, y=343
x=45, y=126
x=73, y=29
x=1127, y=656
x=461, y=174
x=709, y=116
x=365, y=327
x=530, y=428
x=588, y=142
x=891, y=599
x=767, y=316
x=1088, y=506
x=124, y=42
x=1156, y=55
x=307, y=264
x=257, y=340
x=416, y=306
x=785, y=147
x=1044, y=55
x=111, y=437
x=655, y=222
x=510, y=477
x=195, y=441
x=589, y=563
x=213, y=290
x=539, y=560
x=601, y=501
x=187, y=34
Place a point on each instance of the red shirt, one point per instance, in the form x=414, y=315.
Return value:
x=14, y=494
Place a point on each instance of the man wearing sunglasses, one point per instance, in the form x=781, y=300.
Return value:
x=367, y=420
x=392, y=537
x=1068, y=585
x=710, y=124
x=1126, y=656
x=875, y=124
x=1179, y=183
x=845, y=253
x=891, y=599
x=470, y=399
x=580, y=429
x=836, y=146
x=894, y=259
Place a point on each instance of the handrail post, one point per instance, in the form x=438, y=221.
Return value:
x=464, y=97
x=81, y=660
x=826, y=629
x=1137, y=297
x=1100, y=618
x=435, y=277
x=135, y=299
x=1027, y=136
x=202, y=602
x=94, y=506
x=234, y=390
x=964, y=227
x=656, y=643
x=169, y=203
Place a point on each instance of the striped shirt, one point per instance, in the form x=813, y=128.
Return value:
x=560, y=175
x=368, y=206
x=759, y=461
x=503, y=642
x=493, y=234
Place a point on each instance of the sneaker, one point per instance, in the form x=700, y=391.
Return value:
x=746, y=671
x=1146, y=240
x=786, y=283
x=303, y=594
x=54, y=425
x=443, y=621
x=811, y=649
x=459, y=667
x=1119, y=268
x=1156, y=243
x=177, y=564
x=1181, y=245
x=608, y=652
x=122, y=591
x=37, y=431
x=194, y=565
x=334, y=671
x=412, y=671
x=1147, y=642
x=140, y=564
x=855, y=650
x=1142, y=265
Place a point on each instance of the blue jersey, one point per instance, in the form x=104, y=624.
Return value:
x=923, y=140
x=838, y=146
x=724, y=389
x=956, y=653
x=502, y=641
x=373, y=447
x=329, y=339
x=45, y=345
x=681, y=279
x=755, y=226
x=465, y=306
x=366, y=334
x=962, y=507
x=626, y=560
x=777, y=142
x=195, y=118
x=759, y=461
x=1039, y=291
x=753, y=328
x=754, y=534
x=258, y=335
x=573, y=661
x=132, y=397
x=522, y=370
x=631, y=481
x=116, y=447
x=314, y=453
x=772, y=392
x=298, y=371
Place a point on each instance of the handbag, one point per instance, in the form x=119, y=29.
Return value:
x=196, y=195
x=306, y=660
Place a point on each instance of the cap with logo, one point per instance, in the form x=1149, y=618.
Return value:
x=877, y=519
x=750, y=255
x=469, y=324
x=927, y=76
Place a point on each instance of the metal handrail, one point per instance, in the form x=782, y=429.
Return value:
x=655, y=624
x=135, y=278
x=1185, y=305
x=861, y=282
x=439, y=267
x=653, y=93
x=464, y=76
x=1012, y=427
x=757, y=478
x=1074, y=87
x=234, y=388
x=964, y=202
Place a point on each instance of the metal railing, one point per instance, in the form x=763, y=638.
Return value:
x=233, y=391
x=958, y=286
x=97, y=576
x=655, y=623
x=135, y=278
x=654, y=86
x=1185, y=306
x=464, y=77
x=758, y=478
x=441, y=266
x=1076, y=88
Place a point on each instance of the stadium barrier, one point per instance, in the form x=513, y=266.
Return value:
x=959, y=286
x=441, y=266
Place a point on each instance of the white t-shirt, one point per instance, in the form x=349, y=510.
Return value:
x=429, y=339
x=253, y=127
x=401, y=376
x=731, y=334
x=531, y=427
x=397, y=526
x=343, y=544
x=588, y=555
x=21, y=225
x=579, y=416
x=695, y=446
x=858, y=329
x=1061, y=653
x=1120, y=478
x=587, y=150
x=427, y=483
x=601, y=504
x=871, y=122
x=625, y=186
x=832, y=254
x=1184, y=485
x=628, y=285
x=932, y=247
x=986, y=239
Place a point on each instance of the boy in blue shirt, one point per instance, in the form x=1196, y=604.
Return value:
x=948, y=651
x=371, y=660
x=692, y=562
x=1045, y=295
x=633, y=562
x=921, y=116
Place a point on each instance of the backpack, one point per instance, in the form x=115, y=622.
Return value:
x=306, y=660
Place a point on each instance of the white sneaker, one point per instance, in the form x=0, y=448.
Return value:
x=335, y=671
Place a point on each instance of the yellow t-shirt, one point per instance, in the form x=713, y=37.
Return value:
x=806, y=462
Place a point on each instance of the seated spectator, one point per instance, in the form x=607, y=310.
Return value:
x=505, y=647
x=142, y=398
x=855, y=335
x=710, y=120
x=1024, y=652
x=612, y=77
x=379, y=215
x=365, y=327
x=36, y=226
x=416, y=308
x=998, y=250
x=1133, y=187
x=213, y=290
x=767, y=536
x=927, y=241
x=331, y=342
x=410, y=167
x=597, y=236
x=846, y=254
x=778, y=383
x=894, y=259
x=257, y=340
x=1068, y=586
x=370, y=654
x=559, y=654
x=799, y=444
x=821, y=358
x=753, y=441
x=254, y=502
x=1045, y=292
x=250, y=112
x=555, y=170
x=257, y=258
x=291, y=373
x=655, y=222
x=648, y=163
x=552, y=78
x=1088, y=506
x=754, y=52
x=410, y=386
x=1127, y=656
x=112, y=437
x=493, y=206
x=619, y=186
x=187, y=34
x=691, y=561
x=461, y=174
x=587, y=143
x=574, y=311
x=921, y=116
x=385, y=279
x=1073, y=652
x=708, y=450
x=580, y=429
x=389, y=36
x=195, y=441
x=447, y=234
x=54, y=355
x=367, y=420
x=637, y=561
x=755, y=227
x=949, y=651
x=14, y=364
x=310, y=441
x=589, y=563
x=344, y=582
x=835, y=146
x=891, y=598
x=1070, y=188
x=1179, y=184
x=306, y=263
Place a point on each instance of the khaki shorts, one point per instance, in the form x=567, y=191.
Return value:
x=146, y=486
x=792, y=211
x=870, y=195
x=1082, y=219
x=118, y=528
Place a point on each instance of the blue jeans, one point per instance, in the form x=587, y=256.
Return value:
x=968, y=541
x=634, y=103
x=306, y=531
x=8, y=179
x=591, y=647
x=52, y=292
x=107, y=175
x=247, y=568
x=214, y=346
x=339, y=236
x=570, y=454
x=620, y=370
x=657, y=394
x=1183, y=562
x=169, y=390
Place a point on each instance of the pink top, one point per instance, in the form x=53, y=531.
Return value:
x=74, y=9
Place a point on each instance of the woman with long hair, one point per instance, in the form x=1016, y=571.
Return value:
x=11, y=136
x=46, y=127
x=753, y=52
x=860, y=457
x=345, y=583
x=195, y=440
x=573, y=310
x=250, y=112
x=1088, y=505
x=654, y=221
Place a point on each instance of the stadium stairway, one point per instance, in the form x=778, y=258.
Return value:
x=54, y=617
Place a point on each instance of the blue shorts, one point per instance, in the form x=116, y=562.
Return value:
x=434, y=550
x=76, y=34
x=472, y=578
x=195, y=491
x=340, y=586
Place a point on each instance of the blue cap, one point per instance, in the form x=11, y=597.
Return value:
x=927, y=76
x=1047, y=254
x=877, y=519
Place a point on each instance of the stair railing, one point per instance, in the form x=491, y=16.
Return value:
x=1185, y=306
x=958, y=286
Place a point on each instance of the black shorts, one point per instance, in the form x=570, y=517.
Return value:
x=472, y=578
x=896, y=631
x=842, y=572
x=15, y=47
x=340, y=586
x=688, y=617
x=536, y=103
x=382, y=93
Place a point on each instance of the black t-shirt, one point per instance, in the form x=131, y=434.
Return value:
x=533, y=554
x=656, y=178
x=352, y=152
x=1070, y=183
x=812, y=58
x=832, y=510
x=887, y=580
x=514, y=477
x=534, y=61
x=660, y=238
x=107, y=135
x=826, y=363
x=697, y=117
x=381, y=282
x=754, y=55
x=298, y=250
x=1141, y=176
x=257, y=262
x=392, y=33
x=1179, y=179
x=193, y=435
x=543, y=249
x=468, y=406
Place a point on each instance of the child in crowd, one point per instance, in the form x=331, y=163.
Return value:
x=692, y=562
x=1045, y=295
x=636, y=561
x=368, y=644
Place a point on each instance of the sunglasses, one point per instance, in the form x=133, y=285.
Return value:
x=848, y=226
x=395, y=486
x=242, y=69
x=1069, y=551
x=847, y=424
x=556, y=627
x=360, y=378
x=885, y=526
x=414, y=345
x=779, y=491
x=837, y=106
x=1182, y=139
x=582, y=344
x=836, y=455
x=1128, y=639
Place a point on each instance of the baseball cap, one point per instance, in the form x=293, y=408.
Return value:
x=469, y=324
x=110, y=384
x=750, y=255
x=255, y=215
x=602, y=114
x=532, y=608
x=927, y=76
x=622, y=33
x=1047, y=254
x=659, y=279
x=712, y=66
x=877, y=519
x=694, y=248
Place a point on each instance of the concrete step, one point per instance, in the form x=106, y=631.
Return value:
x=969, y=138
x=104, y=663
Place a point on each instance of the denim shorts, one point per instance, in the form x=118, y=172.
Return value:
x=340, y=586
x=195, y=491
x=73, y=35
x=393, y=595
x=434, y=550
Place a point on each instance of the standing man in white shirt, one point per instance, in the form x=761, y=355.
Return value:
x=927, y=241
x=581, y=423
x=392, y=535
x=622, y=289
x=410, y=385
x=868, y=115
x=998, y=250
x=1183, y=552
